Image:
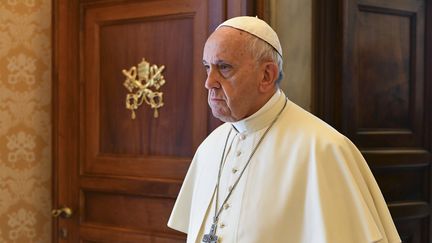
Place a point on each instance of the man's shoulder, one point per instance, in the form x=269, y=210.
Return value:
x=303, y=124
x=305, y=131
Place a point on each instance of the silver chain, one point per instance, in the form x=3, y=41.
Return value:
x=218, y=212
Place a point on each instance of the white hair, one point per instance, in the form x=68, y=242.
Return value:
x=261, y=51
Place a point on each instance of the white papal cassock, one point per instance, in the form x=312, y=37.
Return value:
x=306, y=183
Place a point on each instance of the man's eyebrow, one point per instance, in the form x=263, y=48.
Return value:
x=217, y=62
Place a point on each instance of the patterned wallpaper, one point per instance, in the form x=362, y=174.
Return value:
x=25, y=125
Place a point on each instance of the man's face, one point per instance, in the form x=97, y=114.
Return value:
x=233, y=75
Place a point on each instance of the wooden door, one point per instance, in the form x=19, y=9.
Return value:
x=120, y=176
x=374, y=83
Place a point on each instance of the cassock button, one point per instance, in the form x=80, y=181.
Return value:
x=242, y=137
x=234, y=170
x=222, y=225
x=226, y=206
x=238, y=153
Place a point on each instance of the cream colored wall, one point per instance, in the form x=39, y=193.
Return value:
x=292, y=20
x=25, y=126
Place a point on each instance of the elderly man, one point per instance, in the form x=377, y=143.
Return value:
x=272, y=172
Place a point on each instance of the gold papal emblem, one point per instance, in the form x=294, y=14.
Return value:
x=139, y=84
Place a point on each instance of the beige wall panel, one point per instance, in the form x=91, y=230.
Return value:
x=25, y=126
x=292, y=20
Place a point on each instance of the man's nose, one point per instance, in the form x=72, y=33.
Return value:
x=212, y=80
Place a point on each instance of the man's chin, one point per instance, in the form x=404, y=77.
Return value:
x=223, y=117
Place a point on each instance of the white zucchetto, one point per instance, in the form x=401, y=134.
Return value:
x=256, y=27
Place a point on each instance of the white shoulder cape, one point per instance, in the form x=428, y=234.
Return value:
x=310, y=185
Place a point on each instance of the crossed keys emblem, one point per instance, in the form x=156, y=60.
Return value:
x=139, y=83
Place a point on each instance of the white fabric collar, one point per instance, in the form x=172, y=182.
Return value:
x=264, y=116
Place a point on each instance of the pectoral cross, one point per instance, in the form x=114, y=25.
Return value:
x=211, y=237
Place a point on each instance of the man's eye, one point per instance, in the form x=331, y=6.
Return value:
x=207, y=68
x=223, y=67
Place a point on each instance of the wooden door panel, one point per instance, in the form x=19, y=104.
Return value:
x=134, y=212
x=402, y=175
x=161, y=41
x=141, y=206
x=118, y=38
x=131, y=169
x=375, y=88
x=386, y=68
x=385, y=107
x=416, y=229
x=94, y=234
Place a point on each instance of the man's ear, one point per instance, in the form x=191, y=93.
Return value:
x=271, y=73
